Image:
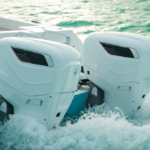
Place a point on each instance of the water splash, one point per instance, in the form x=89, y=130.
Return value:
x=95, y=129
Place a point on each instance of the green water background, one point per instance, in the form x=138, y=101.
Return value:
x=83, y=16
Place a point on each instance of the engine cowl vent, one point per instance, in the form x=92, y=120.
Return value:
x=119, y=51
x=30, y=57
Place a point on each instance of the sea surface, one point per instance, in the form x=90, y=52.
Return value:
x=95, y=130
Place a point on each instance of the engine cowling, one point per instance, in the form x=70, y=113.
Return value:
x=119, y=63
x=38, y=77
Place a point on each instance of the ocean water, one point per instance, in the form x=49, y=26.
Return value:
x=83, y=16
x=95, y=130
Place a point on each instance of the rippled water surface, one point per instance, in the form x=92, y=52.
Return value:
x=93, y=130
x=84, y=16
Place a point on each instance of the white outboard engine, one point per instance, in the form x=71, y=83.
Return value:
x=38, y=78
x=119, y=64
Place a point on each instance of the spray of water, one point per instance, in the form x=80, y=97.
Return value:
x=96, y=129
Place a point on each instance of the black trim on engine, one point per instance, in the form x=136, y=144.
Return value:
x=30, y=57
x=117, y=50
x=82, y=69
x=4, y=116
x=95, y=96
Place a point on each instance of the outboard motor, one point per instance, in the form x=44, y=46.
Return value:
x=38, y=78
x=119, y=64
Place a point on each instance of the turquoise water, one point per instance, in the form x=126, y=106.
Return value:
x=84, y=16
x=95, y=130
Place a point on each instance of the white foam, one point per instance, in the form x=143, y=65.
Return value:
x=92, y=131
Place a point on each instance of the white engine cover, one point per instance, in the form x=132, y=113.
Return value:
x=41, y=91
x=119, y=64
